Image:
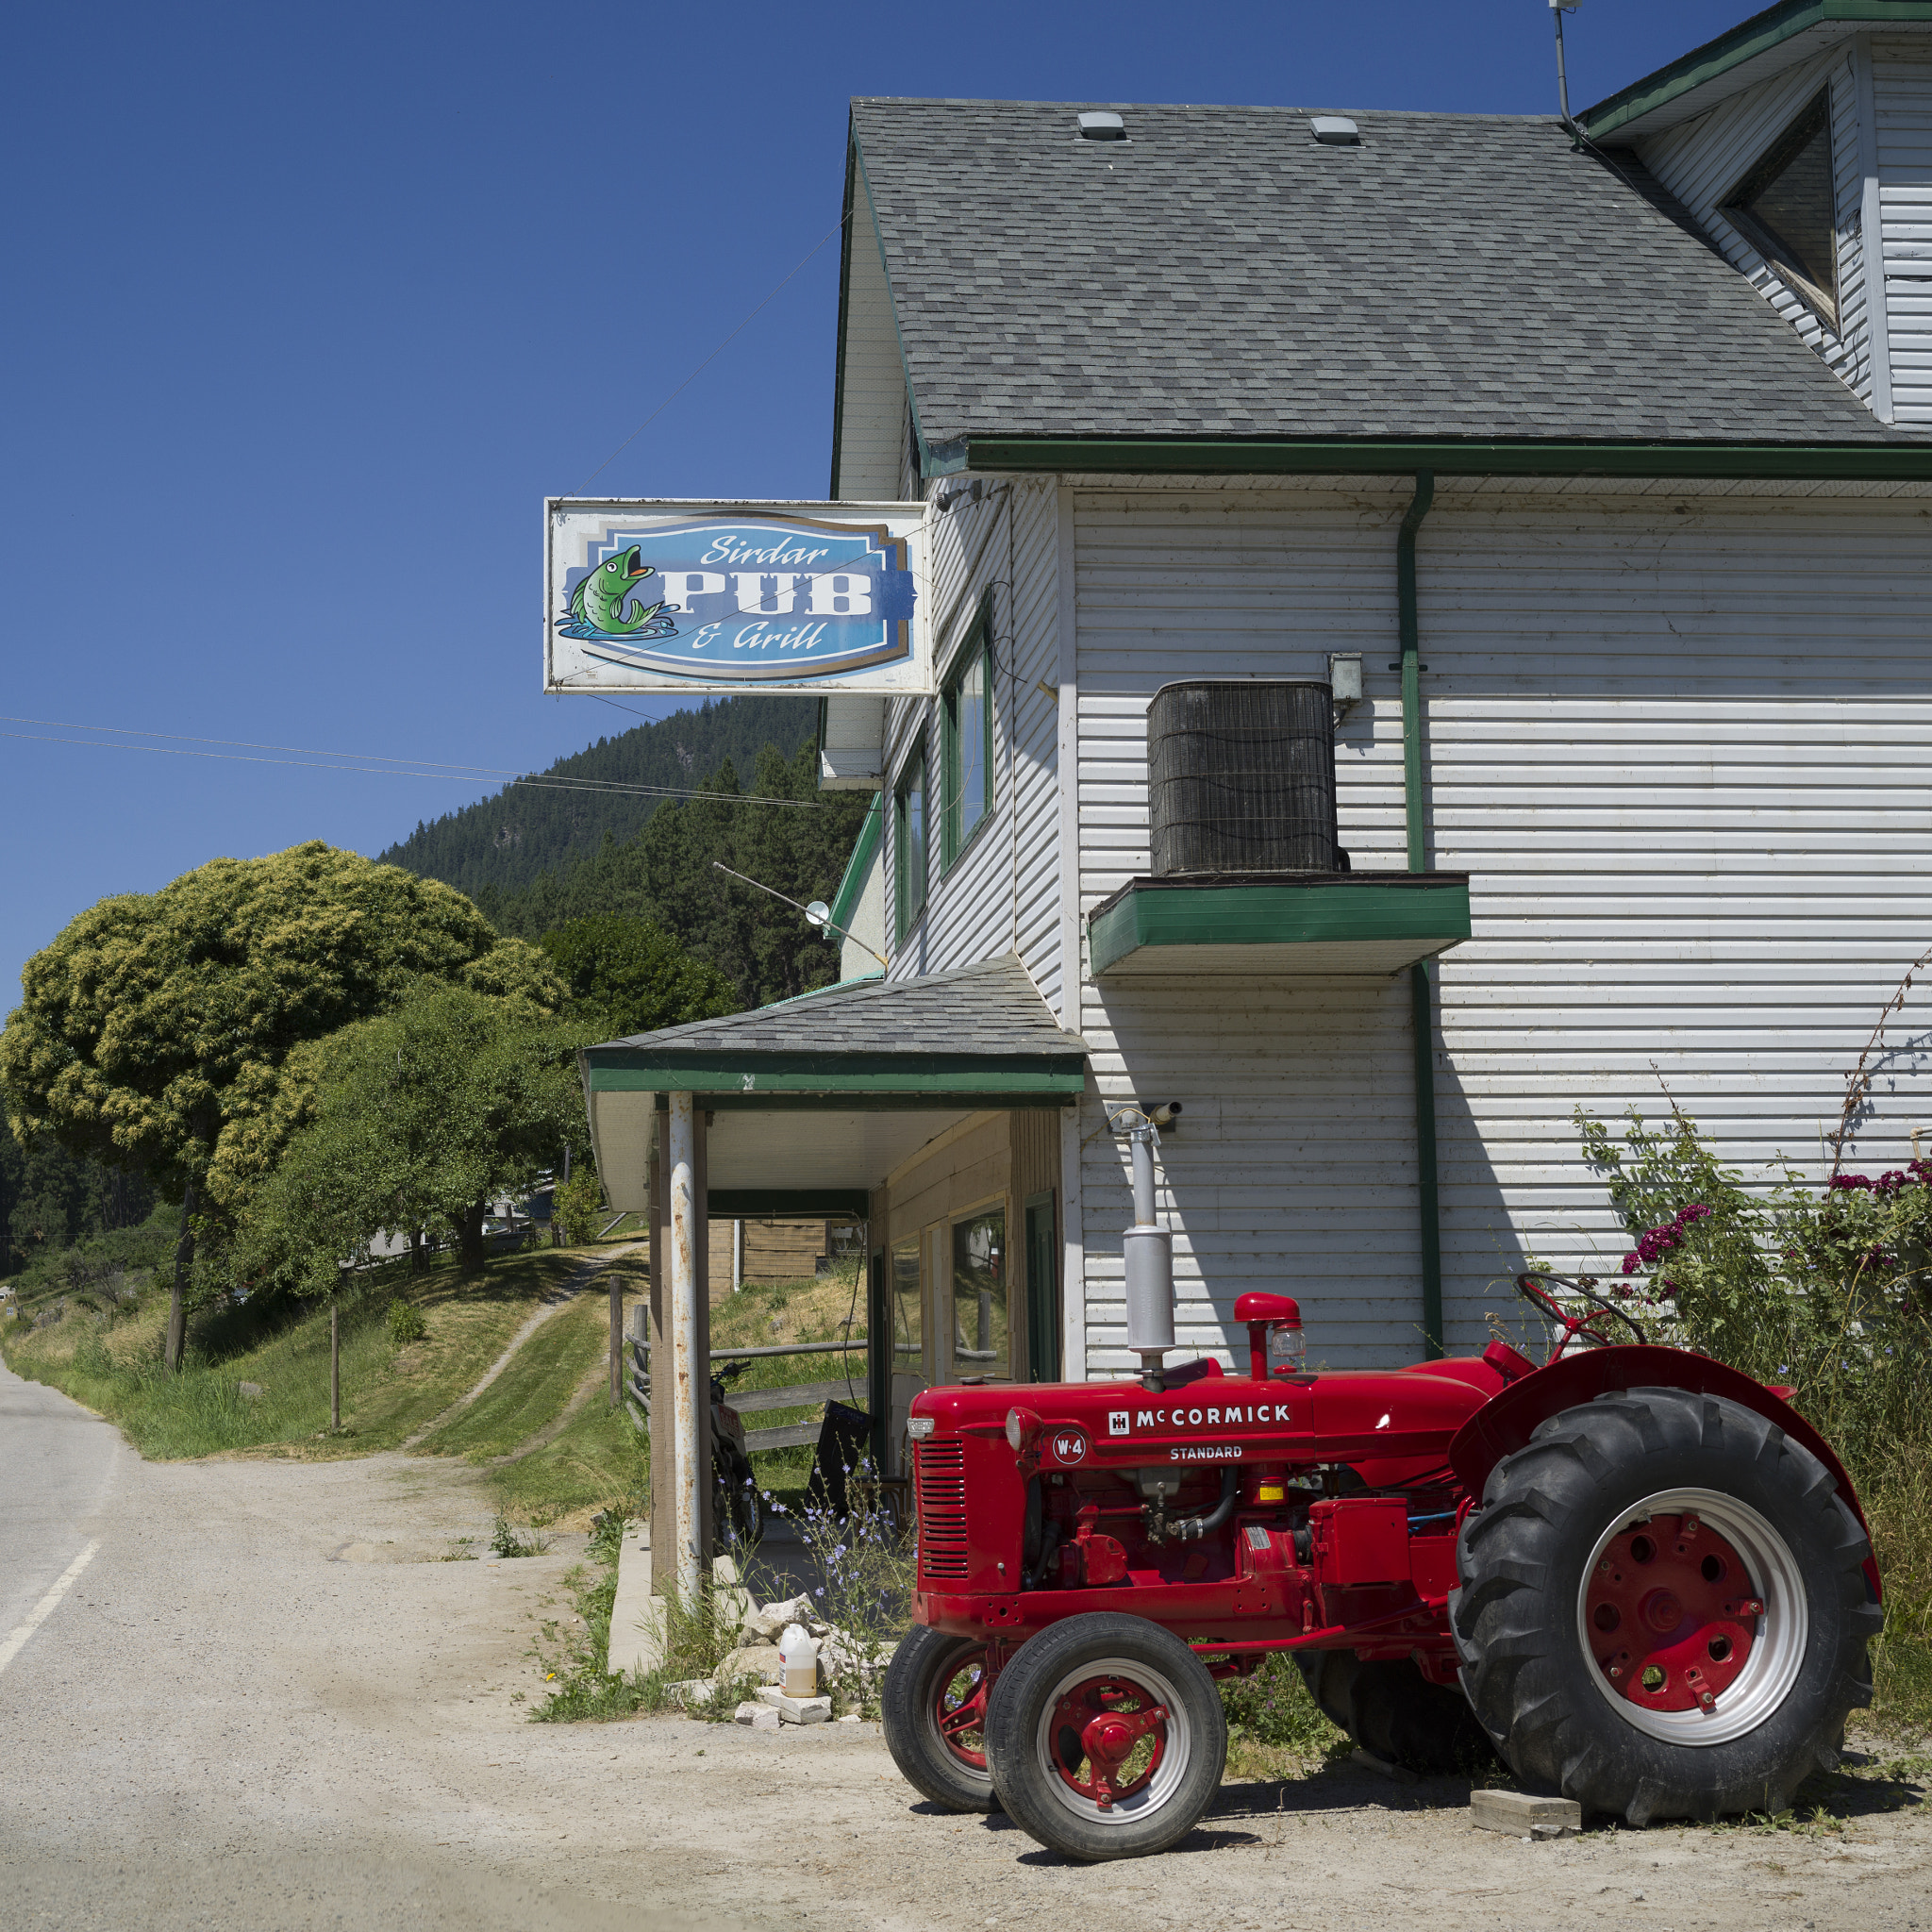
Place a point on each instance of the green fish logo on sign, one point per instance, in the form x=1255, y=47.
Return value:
x=600, y=600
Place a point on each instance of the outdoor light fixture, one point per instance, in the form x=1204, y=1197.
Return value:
x=1344, y=681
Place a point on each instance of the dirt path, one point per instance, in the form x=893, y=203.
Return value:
x=596, y=1381
x=565, y=1292
x=259, y=1710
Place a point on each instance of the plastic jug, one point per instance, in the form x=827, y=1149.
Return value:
x=798, y=1662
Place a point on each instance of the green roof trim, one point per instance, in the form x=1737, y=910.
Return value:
x=1880, y=461
x=752, y=1071
x=787, y=1203
x=1746, y=42
x=870, y=833
x=1430, y=910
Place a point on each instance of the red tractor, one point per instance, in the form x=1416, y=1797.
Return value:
x=1639, y=1576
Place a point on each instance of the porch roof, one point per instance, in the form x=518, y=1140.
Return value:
x=881, y=1067
x=980, y=1031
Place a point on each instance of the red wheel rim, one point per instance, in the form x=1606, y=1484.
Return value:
x=959, y=1711
x=1108, y=1736
x=1672, y=1614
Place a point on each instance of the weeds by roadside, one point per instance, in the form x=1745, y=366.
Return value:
x=1275, y=1729
x=700, y=1638
x=508, y=1541
x=869, y=1563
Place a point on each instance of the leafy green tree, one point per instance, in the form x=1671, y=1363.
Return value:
x=49, y=1200
x=425, y=1115
x=576, y=1205
x=153, y=1032
x=626, y=975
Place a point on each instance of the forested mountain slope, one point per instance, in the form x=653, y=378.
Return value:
x=666, y=875
x=503, y=844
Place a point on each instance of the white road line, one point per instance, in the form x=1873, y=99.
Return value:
x=44, y=1609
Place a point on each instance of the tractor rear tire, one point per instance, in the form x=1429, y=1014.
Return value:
x=1663, y=1608
x=1393, y=1712
x=1106, y=1737
x=934, y=1709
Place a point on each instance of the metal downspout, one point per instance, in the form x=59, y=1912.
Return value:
x=1422, y=1003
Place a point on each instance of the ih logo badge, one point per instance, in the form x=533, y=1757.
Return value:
x=1116, y=1421
x=1069, y=1446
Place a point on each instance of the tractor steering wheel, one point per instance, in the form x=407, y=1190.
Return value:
x=1575, y=1327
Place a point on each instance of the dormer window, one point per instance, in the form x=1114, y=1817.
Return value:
x=1786, y=207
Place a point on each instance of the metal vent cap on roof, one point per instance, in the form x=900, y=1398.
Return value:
x=1101, y=126
x=1334, y=130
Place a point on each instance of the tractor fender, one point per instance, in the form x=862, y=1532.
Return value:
x=1505, y=1424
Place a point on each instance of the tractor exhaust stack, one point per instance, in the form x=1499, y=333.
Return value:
x=1148, y=1249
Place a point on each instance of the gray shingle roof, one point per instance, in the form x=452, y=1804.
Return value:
x=1222, y=274
x=992, y=1009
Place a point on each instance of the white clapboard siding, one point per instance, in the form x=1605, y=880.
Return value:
x=1682, y=743
x=1901, y=98
x=1002, y=891
x=1701, y=161
x=1697, y=811
x=872, y=418
x=1294, y=1168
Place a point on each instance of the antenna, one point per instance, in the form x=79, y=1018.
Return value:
x=1557, y=9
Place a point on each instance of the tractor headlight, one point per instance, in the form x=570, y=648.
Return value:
x=1023, y=1428
x=1286, y=1347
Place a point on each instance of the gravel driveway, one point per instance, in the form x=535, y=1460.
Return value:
x=265, y=1704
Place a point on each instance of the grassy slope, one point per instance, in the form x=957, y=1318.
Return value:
x=386, y=1392
x=531, y=1391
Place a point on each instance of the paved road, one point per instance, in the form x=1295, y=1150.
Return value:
x=61, y=1468
x=244, y=1711
x=266, y=1707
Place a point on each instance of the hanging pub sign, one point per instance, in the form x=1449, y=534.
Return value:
x=735, y=596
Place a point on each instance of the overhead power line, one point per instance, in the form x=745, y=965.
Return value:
x=379, y=764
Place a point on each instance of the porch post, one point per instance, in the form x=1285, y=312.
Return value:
x=690, y=1383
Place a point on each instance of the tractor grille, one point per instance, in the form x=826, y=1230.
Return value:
x=941, y=1472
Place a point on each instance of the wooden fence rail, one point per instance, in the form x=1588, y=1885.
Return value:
x=751, y=1401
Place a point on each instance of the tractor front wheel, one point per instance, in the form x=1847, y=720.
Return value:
x=1106, y=1737
x=934, y=1707
x=1663, y=1608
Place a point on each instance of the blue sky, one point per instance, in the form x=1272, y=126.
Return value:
x=308, y=307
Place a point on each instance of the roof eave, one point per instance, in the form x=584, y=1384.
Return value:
x=1748, y=40
x=1895, y=462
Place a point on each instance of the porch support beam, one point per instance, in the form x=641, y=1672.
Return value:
x=690, y=1380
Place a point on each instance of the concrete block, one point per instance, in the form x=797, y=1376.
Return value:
x=692, y=1691
x=797, y=1710
x=760, y=1717
x=1523, y=1816
x=637, y=1618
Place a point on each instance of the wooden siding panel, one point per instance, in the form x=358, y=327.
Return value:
x=1684, y=747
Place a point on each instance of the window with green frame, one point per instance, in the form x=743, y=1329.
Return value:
x=908, y=844
x=966, y=769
